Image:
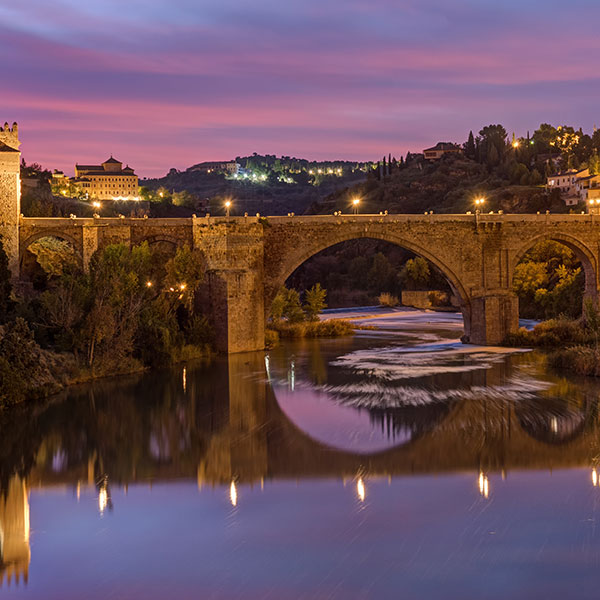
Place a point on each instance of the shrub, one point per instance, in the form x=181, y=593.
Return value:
x=582, y=360
x=387, y=299
x=271, y=338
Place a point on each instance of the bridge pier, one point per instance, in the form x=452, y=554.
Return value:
x=492, y=318
x=236, y=309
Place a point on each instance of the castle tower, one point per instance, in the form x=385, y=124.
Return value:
x=10, y=193
x=14, y=532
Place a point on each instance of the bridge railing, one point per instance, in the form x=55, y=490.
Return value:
x=340, y=217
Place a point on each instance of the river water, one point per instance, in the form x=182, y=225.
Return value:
x=394, y=464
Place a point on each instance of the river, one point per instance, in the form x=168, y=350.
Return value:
x=398, y=463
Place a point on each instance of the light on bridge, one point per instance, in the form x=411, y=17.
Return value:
x=355, y=203
x=227, y=207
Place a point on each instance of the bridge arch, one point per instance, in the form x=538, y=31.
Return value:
x=583, y=253
x=295, y=257
x=26, y=257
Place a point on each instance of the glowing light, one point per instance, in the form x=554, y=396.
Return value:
x=96, y=204
x=184, y=379
x=182, y=286
x=484, y=485
x=233, y=495
x=161, y=195
x=594, y=477
x=148, y=284
x=515, y=144
x=360, y=489
x=102, y=499
x=479, y=201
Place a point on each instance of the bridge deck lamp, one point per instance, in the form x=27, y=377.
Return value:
x=227, y=207
x=355, y=203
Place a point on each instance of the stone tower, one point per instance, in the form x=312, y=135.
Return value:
x=10, y=193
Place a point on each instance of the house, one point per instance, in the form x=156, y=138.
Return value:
x=566, y=182
x=228, y=167
x=108, y=181
x=440, y=149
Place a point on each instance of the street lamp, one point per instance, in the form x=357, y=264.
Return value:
x=227, y=207
x=479, y=203
x=355, y=203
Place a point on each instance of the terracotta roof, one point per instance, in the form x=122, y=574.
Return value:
x=442, y=146
x=113, y=161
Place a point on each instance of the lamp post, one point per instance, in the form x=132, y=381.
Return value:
x=227, y=207
x=479, y=204
x=355, y=203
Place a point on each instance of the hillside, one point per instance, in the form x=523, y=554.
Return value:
x=265, y=184
x=449, y=185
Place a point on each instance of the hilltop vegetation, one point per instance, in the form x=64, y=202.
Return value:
x=266, y=184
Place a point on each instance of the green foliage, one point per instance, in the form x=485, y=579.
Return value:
x=286, y=305
x=549, y=282
x=381, y=276
x=415, y=274
x=313, y=329
x=314, y=302
x=23, y=370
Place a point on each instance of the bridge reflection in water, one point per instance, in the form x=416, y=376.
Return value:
x=223, y=426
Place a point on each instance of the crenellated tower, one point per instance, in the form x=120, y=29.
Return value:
x=10, y=193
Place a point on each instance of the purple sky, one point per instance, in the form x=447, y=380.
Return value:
x=164, y=84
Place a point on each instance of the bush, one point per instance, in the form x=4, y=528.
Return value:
x=387, y=299
x=271, y=338
x=582, y=360
x=314, y=329
x=551, y=333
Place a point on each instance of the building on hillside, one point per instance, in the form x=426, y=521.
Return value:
x=228, y=167
x=108, y=181
x=572, y=185
x=440, y=149
x=587, y=187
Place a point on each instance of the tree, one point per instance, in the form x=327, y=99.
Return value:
x=469, y=146
x=415, y=273
x=493, y=137
x=381, y=274
x=314, y=302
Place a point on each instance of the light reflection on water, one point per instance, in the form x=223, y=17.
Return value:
x=324, y=469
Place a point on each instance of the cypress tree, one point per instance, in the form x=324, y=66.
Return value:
x=470, y=146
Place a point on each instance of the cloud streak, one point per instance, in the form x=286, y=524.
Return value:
x=323, y=79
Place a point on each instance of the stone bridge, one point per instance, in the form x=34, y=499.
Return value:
x=249, y=258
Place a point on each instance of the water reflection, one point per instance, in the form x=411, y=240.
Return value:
x=227, y=425
x=14, y=532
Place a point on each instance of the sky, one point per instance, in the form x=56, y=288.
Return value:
x=170, y=83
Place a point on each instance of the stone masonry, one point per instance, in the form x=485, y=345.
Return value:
x=247, y=259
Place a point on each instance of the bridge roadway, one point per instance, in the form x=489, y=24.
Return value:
x=249, y=258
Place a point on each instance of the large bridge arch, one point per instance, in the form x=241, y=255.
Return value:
x=294, y=256
x=581, y=250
